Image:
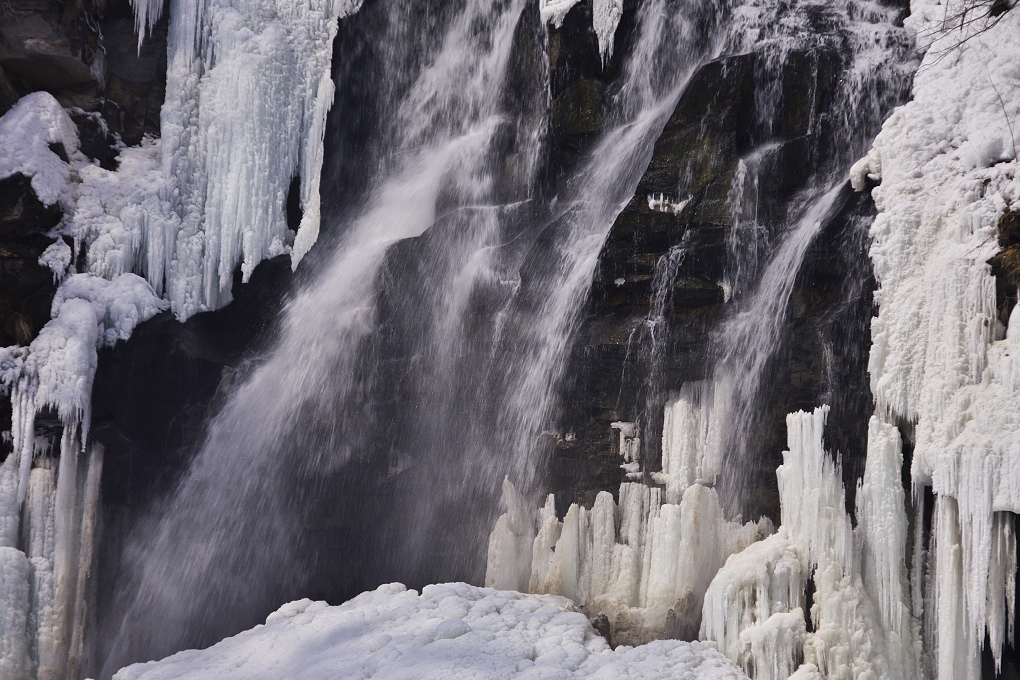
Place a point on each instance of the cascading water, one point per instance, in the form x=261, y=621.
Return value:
x=300, y=415
x=320, y=397
x=649, y=572
x=426, y=362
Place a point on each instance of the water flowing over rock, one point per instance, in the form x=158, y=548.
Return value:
x=693, y=321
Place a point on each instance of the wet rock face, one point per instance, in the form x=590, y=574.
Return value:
x=1006, y=265
x=86, y=54
x=674, y=242
x=26, y=287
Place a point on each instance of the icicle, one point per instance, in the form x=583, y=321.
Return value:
x=882, y=527
x=10, y=516
x=15, y=663
x=509, y=558
x=605, y=18
x=691, y=440
x=89, y=519
x=957, y=653
x=40, y=541
x=549, y=529
x=1001, y=585
x=603, y=522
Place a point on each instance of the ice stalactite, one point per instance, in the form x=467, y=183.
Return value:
x=941, y=358
x=49, y=483
x=46, y=560
x=643, y=562
x=754, y=607
x=605, y=18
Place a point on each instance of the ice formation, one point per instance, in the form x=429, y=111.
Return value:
x=448, y=631
x=655, y=566
x=606, y=16
x=644, y=563
x=754, y=607
x=45, y=558
x=941, y=360
x=248, y=89
x=555, y=11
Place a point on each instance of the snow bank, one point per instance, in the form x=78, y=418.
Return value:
x=940, y=358
x=448, y=631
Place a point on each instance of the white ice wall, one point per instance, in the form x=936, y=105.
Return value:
x=754, y=606
x=940, y=359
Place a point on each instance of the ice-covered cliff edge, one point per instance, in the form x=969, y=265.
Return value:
x=945, y=362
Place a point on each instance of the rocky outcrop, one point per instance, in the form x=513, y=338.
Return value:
x=26, y=286
x=1006, y=265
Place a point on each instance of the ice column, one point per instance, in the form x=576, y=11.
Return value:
x=754, y=605
x=643, y=562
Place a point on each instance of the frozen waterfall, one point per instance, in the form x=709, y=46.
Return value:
x=578, y=259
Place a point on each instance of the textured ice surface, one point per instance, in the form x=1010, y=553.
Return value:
x=448, y=631
x=605, y=17
x=248, y=90
x=940, y=359
x=643, y=563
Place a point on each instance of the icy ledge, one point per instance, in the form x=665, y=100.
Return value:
x=448, y=631
x=941, y=360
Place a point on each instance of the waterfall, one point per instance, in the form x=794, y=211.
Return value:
x=300, y=416
x=646, y=561
x=485, y=203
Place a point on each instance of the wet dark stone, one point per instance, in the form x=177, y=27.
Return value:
x=21, y=212
x=94, y=139
x=612, y=374
x=1006, y=265
x=26, y=289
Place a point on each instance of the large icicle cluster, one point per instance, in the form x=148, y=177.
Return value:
x=656, y=568
x=447, y=631
x=644, y=562
x=754, y=608
x=48, y=502
x=248, y=90
x=941, y=360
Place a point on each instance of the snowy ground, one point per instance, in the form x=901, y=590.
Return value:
x=448, y=631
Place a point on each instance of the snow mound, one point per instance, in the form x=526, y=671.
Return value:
x=27, y=132
x=448, y=631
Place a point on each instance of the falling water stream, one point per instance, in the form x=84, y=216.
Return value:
x=423, y=359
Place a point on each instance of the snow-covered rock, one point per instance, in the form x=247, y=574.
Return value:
x=447, y=631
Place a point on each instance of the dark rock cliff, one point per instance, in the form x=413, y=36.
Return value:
x=619, y=372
